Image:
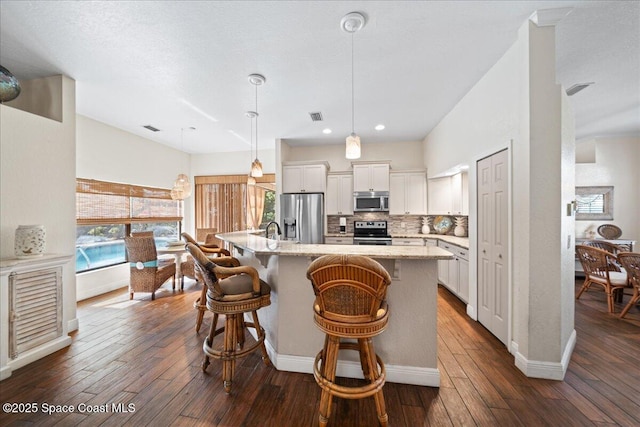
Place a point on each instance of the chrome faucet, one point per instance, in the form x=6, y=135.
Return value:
x=275, y=235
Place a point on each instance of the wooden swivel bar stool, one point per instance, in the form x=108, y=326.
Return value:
x=231, y=291
x=350, y=303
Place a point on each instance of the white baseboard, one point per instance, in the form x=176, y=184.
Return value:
x=471, y=312
x=396, y=374
x=548, y=370
x=34, y=354
x=73, y=325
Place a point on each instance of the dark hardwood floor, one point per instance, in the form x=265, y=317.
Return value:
x=145, y=355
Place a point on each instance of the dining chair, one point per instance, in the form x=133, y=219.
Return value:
x=631, y=263
x=146, y=273
x=600, y=267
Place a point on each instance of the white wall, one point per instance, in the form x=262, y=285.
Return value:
x=37, y=180
x=106, y=153
x=403, y=155
x=517, y=105
x=616, y=164
x=109, y=154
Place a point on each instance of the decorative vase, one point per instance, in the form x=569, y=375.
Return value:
x=30, y=241
x=425, y=225
x=460, y=230
x=9, y=85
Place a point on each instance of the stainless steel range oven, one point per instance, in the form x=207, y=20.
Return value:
x=371, y=233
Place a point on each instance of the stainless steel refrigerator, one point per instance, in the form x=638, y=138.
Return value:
x=302, y=217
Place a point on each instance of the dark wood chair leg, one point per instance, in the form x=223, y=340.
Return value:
x=230, y=343
x=260, y=332
x=329, y=372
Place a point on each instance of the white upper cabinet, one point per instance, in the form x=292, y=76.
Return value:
x=304, y=178
x=371, y=177
x=408, y=193
x=449, y=195
x=339, y=195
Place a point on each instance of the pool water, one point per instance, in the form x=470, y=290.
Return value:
x=102, y=254
x=98, y=255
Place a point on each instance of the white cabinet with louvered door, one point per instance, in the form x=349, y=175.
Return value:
x=493, y=250
x=371, y=177
x=339, y=195
x=304, y=178
x=408, y=193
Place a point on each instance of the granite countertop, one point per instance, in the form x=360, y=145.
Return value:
x=262, y=246
x=338, y=235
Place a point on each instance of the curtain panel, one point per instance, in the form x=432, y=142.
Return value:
x=227, y=203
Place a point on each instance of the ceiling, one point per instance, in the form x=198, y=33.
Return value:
x=181, y=64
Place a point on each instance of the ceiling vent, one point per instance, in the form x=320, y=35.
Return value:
x=151, y=128
x=578, y=87
x=316, y=117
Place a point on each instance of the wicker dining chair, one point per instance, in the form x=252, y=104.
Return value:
x=189, y=269
x=146, y=275
x=350, y=303
x=631, y=263
x=600, y=267
x=232, y=292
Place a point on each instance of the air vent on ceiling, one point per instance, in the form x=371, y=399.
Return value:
x=578, y=87
x=316, y=117
x=151, y=128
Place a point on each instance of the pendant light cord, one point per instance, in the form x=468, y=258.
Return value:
x=256, y=121
x=352, y=90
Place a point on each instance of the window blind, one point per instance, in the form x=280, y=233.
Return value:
x=99, y=202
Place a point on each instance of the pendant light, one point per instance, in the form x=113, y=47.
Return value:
x=351, y=23
x=181, y=186
x=251, y=115
x=256, y=166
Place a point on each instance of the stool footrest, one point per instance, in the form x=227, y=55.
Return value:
x=349, y=392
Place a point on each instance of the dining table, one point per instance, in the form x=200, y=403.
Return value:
x=177, y=250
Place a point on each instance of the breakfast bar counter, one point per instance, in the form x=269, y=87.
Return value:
x=408, y=346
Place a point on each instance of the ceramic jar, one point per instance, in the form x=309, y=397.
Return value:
x=30, y=241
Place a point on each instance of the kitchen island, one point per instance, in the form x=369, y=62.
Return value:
x=408, y=346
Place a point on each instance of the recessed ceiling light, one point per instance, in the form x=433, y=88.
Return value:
x=326, y=131
x=379, y=127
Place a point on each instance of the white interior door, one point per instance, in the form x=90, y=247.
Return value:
x=493, y=292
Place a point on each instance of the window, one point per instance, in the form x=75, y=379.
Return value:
x=106, y=212
x=594, y=203
x=226, y=203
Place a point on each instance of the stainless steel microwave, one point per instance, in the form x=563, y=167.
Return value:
x=371, y=201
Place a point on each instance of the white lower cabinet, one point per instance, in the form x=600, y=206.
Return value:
x=338, y=240
x=409, y=241
x=454, y=273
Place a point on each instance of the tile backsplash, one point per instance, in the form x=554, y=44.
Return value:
x=412, y=223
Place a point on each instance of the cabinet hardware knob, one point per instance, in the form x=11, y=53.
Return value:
x=484, y=251
x=499, y=255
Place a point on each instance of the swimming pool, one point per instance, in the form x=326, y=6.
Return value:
x=96, y=255
x=102, y=254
